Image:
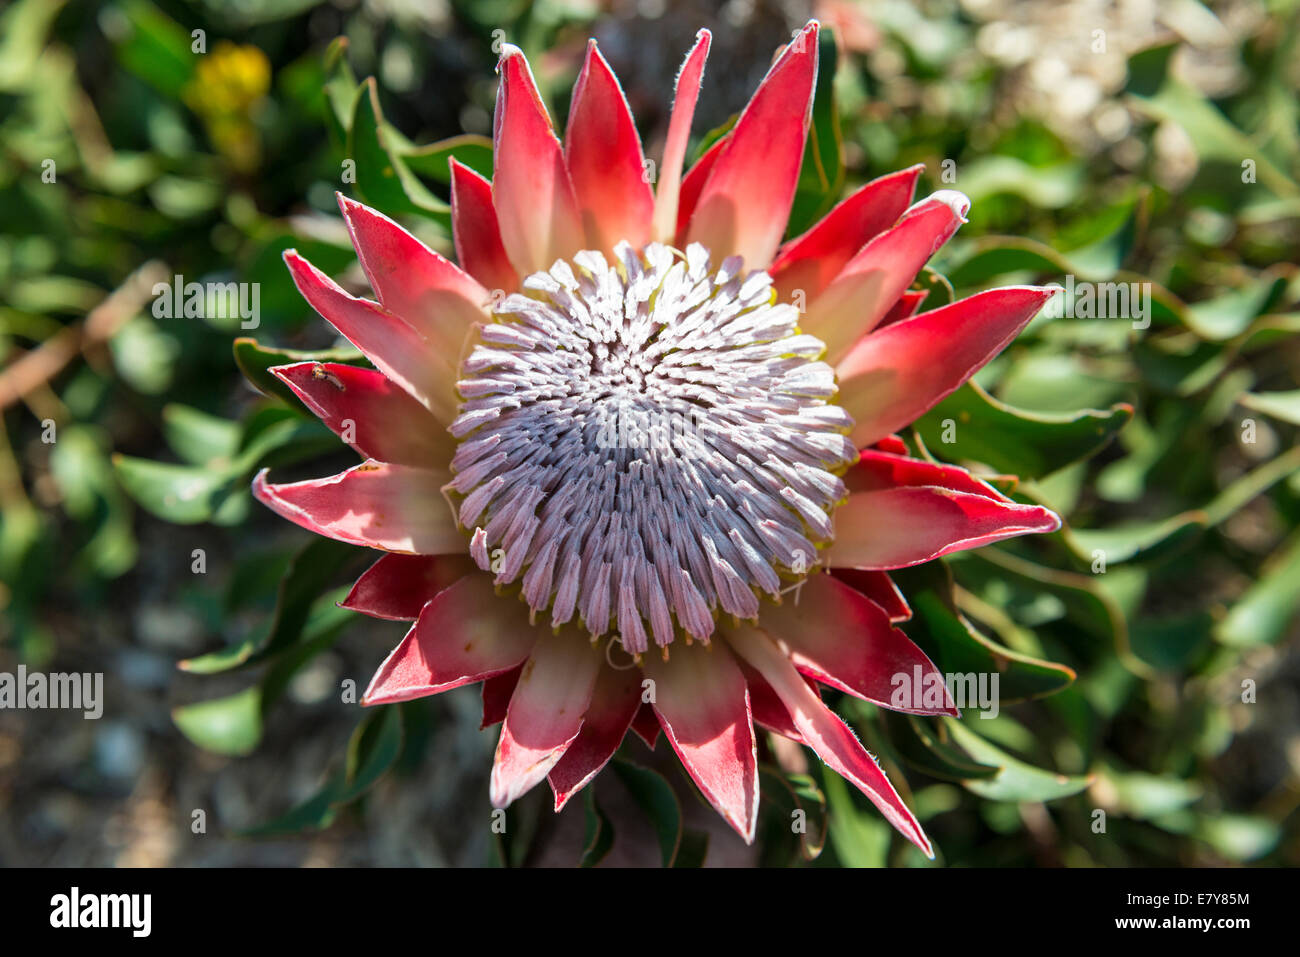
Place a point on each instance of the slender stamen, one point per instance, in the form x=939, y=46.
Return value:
x=647, y=443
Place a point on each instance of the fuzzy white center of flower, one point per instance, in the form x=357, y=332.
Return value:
x=647, y=442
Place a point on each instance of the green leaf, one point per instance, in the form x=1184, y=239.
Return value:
x=1048, y=187
x=712, y=136
x=923, y=745
x=1086, y=604
x=1016, y=781
x=383, y=179
x=655, y=796
x=314, y=814
x=156, y=49
x=1261, y=615
x=309, y=573
x=1240, y=837
x=1015, y=441
x=373, y=749
x=1230, y=314
x=24, y=28
x=693, y=849
x=1283, y=406
x=469, y=149
x=256, y=360
x=324, y=625
x=144, y=355
x=80, y=465
x=282, y=304
x=231, y=725
x=599, y=833
x=225, y=725
x=1171, y=642
x=860, y=838
x=789, y=802
x=956, y=647
x=341, y=89
x=1145, y=796
x=184, y=494
x=1098, y=261
x=1254, y=483
x=197, y=437
x=188, y=494
x=1136, y=541
x=1155, y=91
x=1061, y=383
x=510, y=845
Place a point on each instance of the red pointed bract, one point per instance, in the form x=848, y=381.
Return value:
x=606, y=164
x=396, y=508
x=826, y=733
x=703, y=706
x=614, y=702
x=535, y=205
x=546, y=712
x=842, y=638
x=370, y=413
x=397, y=586
x=745, y=205
x=476, y=232
x=463, y=635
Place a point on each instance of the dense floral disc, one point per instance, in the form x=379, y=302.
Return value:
x=647, y=441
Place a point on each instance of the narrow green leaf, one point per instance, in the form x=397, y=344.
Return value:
x=859, y=838
x=319, y=562
x=656, y=798
x=599, y=833
x=256, y=360
x=156, y=49
x=1283, y=406
x=383, y=179
x=196, y=436
x=314, y=814
x=231, y=725
x=372, y=750
x=1017, y=781
x=433, y=160
x=375, y=746
x=956, y=647
x=1230, y=314
x=793, y=812
x=183, y=494
x=694, y=848
x=1136, y=541
x=922, y=745
x=1016, y=441
x=1261, y=615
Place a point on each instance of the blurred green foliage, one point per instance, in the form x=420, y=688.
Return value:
x=1147, y=651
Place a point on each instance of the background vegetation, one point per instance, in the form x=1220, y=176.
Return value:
x=1138, y=143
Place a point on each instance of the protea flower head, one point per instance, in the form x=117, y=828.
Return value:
x=632, y=417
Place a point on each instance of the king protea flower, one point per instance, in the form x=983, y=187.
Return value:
x=632, y=417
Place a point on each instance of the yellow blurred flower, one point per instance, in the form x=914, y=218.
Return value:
x=226, y=87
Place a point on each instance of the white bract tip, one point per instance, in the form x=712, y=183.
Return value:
x=955, y=200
